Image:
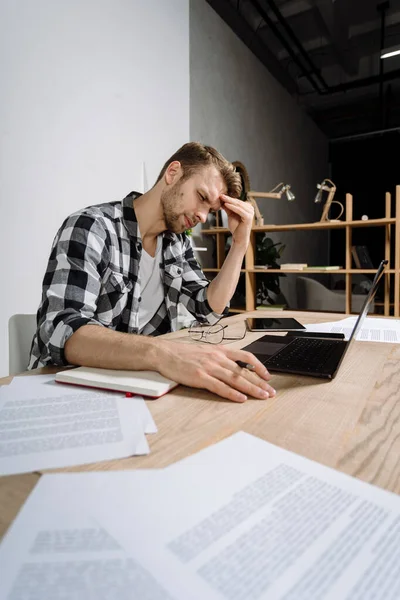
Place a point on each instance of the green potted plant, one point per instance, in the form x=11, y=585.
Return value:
x=268, y=285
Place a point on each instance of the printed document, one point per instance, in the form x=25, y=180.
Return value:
x=62, y=428
x=373, y=329
x=241, y=519
x=55, y=550
x=42, y=386
x=247, y=519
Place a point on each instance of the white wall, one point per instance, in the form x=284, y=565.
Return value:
x=237, y=106
x=90, y=90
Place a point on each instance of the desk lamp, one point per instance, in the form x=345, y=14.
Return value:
x=328, y=186
x=276, y=192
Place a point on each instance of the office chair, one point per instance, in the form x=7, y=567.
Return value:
x=21, y=329
x=313, y=295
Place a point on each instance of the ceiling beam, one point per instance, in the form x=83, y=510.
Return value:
x=249, y=37
x=302, y=59
x=293, y=7
x=367, y=44
x=333, y=19
x=365, y=82
x=368, y=26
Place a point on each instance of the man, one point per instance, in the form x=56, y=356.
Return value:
x=117, y=272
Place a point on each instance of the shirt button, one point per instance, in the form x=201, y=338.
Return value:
x=140, y=298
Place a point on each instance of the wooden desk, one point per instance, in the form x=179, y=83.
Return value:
x=351, y=423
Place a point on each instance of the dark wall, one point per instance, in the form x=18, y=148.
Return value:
x=365, y=168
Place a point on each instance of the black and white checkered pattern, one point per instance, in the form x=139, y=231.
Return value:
x=93, y=277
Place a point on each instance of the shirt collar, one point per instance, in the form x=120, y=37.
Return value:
x=130, y=220
x=129, y=215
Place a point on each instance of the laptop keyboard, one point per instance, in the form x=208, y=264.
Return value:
x=304, y=354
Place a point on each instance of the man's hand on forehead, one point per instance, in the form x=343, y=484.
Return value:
x=240, y=219
x=223, y=198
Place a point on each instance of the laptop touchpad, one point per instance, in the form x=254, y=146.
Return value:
x=265, y=349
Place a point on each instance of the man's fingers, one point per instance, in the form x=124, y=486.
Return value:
x=238, y=209
x=259, y=383
x=214, y=368
x=247, y=383
x=235, y=201
x=233, y=204
x=249, y=375
x=248, y=357
x=220, y=388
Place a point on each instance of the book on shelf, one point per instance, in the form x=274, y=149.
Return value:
x=266, y=267
x=361, y=257
x=302, y=267
x=323, y=268
x=294, y=266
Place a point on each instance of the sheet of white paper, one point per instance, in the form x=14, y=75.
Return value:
x=42, y=386
x=55, y=550
x=59, y=431
x=373, y=329
x=33, y=379
x=242, y=519
x=246, y=519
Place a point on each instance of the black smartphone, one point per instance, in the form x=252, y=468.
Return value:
x=273, y=324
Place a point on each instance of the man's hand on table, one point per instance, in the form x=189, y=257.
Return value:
x=214, y=368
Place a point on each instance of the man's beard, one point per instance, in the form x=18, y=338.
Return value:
x=172, y=206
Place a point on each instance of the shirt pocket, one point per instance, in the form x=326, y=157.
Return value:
x=173, y=271
x=113, y=298
x=173, y=281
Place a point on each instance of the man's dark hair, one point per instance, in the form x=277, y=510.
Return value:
x=194, y=156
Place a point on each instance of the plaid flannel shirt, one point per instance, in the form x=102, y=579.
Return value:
x=93, y=277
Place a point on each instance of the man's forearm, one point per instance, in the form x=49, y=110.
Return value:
x=222, y=288
x=195, y=365
x=93, y=346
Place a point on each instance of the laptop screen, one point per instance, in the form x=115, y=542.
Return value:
x=368, y=300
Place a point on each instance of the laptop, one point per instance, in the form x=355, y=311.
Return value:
x=302, y=354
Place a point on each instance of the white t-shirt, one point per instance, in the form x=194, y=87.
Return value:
x=152, y=288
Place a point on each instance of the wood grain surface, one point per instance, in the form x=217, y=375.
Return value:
x=351, y=423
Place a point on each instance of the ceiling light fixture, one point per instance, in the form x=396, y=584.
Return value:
x=389, y=52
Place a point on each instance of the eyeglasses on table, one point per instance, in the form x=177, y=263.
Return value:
x=215, y=334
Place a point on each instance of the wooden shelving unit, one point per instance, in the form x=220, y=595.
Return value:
x=392, y=228
x=316, y=225
x=305, y=272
